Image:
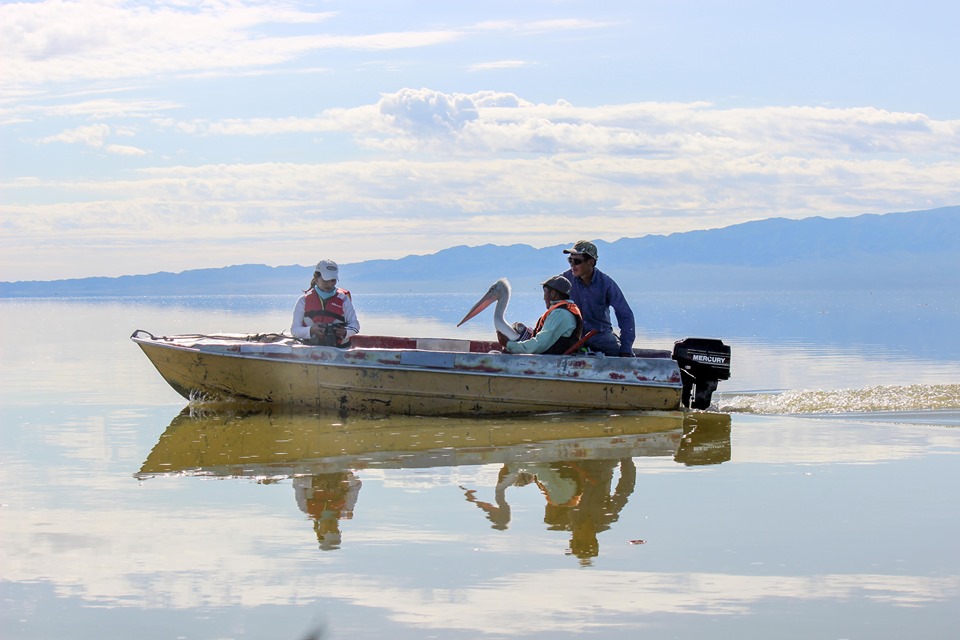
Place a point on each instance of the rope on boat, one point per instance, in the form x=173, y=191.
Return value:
x=256, y=337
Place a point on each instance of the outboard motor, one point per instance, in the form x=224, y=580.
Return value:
x=703, y=363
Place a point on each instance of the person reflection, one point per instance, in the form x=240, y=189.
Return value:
x=578, y=494
x=327, y=498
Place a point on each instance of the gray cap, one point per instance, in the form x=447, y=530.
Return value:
x=558, y=283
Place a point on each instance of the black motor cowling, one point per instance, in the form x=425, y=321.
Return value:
x=703, y=363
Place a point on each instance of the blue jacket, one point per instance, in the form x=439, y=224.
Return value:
x=595, y=301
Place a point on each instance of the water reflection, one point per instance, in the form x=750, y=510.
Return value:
x=582, y=465
x=327, y=498
x=578, y=497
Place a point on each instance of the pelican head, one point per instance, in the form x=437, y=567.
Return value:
x=498, y=292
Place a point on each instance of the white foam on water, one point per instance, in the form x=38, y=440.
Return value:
x=883, y=398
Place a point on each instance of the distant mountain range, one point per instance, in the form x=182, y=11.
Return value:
x=910, y=250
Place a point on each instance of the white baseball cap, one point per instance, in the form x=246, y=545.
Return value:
x=327, y=269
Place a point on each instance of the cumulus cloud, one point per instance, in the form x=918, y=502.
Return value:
x=428, y=112
x=490, y=99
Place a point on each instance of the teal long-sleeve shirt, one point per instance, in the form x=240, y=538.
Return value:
x=559, y=324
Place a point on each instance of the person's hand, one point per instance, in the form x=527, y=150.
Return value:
x=523, y=330
x=502, y=339
x=341, y=333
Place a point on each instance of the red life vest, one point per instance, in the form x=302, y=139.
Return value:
x=325, y=311
x=563, y=343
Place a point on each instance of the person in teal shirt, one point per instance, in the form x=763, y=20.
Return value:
x=559, y=328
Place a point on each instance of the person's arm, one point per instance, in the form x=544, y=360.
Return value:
x=350, y=318
x=297, y=327
x=625, y=319
x=558, y=324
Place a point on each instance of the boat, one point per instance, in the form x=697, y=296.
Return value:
x=426, y=376
x=435, y=376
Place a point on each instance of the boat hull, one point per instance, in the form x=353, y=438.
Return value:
x=410, y=381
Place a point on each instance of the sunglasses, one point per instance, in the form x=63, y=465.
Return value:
x=576, y=261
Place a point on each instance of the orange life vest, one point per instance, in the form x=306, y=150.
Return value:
x=563, y=343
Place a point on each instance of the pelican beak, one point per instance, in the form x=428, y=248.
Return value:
x=484, y=302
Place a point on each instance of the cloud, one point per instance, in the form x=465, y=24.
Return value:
x=428, y=112
x=490, y=99
x=95, y=136
x=67, y=41
x=70, y=41
x=499, y=64
x=92, y=136
x=540, y=26
x=246, y=119
x=490, y=122
x=420, y=170
x=104, y=109
x=124, y=150
x=65, y=106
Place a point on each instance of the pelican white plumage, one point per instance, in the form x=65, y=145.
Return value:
x=498, y=292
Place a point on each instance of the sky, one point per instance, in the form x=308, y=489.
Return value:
x=138, y=137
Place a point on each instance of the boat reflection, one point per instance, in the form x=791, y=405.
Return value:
x=572, y=458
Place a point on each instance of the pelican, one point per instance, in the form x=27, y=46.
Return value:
x=499, y=291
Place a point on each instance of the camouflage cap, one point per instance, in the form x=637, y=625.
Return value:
x=583, y=248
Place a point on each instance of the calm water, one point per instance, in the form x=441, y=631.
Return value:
x=820, y=503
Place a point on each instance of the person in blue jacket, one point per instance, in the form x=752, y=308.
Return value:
x=594, y=293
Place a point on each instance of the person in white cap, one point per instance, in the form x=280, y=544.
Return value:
x=559, y=328
x=324, y=314
x=595, y=293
